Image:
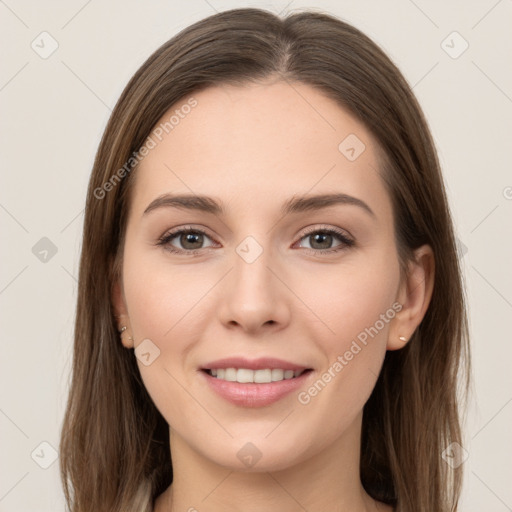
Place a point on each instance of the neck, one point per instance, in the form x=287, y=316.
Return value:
x=315, y=484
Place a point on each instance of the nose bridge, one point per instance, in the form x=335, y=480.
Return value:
x=252, y=278
x=254, y=297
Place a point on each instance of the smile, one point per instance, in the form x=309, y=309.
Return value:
x=246, y=375
x=254, y=383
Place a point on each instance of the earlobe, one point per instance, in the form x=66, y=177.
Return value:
x=414, y=296
x=126, y=338
x=121, y=314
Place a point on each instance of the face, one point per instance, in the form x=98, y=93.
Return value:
x=271, y=277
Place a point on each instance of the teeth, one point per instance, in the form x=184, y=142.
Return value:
x=230, y=374
x=277, y=375
x=262, y=376
x=244, y=375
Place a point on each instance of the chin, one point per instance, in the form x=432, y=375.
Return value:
x=258, y=455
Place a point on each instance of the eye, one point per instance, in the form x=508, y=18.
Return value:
x=321, y=239
x=190, y=239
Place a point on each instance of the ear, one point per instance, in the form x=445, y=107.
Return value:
x=414, y=296
x=121, y=313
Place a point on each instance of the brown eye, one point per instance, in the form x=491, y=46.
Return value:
x=191, y=240
x=321, y=241
x=185, y=241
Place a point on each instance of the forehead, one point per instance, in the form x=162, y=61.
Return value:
x=260, y=143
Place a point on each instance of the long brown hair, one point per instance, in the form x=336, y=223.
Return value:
x=114, y=447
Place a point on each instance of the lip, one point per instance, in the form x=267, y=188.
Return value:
x=251, y=394
x=253, y=364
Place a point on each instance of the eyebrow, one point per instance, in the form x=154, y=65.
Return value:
x=296, y=204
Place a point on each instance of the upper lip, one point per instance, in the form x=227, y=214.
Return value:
x=253, y=364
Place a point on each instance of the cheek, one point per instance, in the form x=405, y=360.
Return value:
x=161, y=296
x=164, y=305
x=159, y=305
x=350, y=300
x=355, y=306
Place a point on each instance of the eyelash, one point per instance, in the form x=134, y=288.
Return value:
x=165, y=240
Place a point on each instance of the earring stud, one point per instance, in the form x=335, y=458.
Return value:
x=402, y=338
x=124, y=329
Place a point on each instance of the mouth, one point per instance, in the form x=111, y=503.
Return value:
x=254, y=383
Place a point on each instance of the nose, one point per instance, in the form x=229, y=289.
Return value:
x=253, y=298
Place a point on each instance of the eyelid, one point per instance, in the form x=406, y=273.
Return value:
x=328, y=228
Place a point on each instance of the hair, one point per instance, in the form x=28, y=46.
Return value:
x=114, y=445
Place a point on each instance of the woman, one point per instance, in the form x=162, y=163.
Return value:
x=270, y=312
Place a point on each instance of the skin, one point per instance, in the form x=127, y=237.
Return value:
x=252, y=148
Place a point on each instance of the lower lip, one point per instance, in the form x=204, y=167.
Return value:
x=255, y=395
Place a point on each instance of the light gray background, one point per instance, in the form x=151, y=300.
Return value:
x=54, y=111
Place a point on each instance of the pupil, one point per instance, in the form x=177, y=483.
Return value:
x=190, y=238
x=322, y=237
